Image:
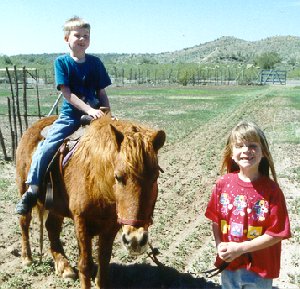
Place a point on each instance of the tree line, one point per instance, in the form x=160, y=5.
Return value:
x=145, y=70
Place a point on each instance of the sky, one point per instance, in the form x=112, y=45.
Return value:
x=142, y=26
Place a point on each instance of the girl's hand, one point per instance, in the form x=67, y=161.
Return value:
x=228, y=251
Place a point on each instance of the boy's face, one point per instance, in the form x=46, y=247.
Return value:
x=78, y=40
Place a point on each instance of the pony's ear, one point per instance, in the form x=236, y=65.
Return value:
x=117, y=136
x=158, y=139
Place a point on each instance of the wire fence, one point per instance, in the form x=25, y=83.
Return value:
x=26, y=94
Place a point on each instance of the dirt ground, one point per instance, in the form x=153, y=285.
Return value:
x=180, y=231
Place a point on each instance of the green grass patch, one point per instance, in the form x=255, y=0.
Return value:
x=12, y=281
x=177, y=111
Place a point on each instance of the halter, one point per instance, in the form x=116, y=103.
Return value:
x=139, y=223
x=136, y=223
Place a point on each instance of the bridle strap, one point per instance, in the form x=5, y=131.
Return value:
x=135, y=223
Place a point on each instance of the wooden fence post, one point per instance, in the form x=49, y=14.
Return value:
x=25, y=96
x=17, y=102
x=37, y=93
x=13, y=104
x=3, y=146
x=12, y=133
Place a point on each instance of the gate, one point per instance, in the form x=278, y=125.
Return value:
x=272, y=76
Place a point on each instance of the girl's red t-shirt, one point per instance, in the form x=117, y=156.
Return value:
x=246, y=210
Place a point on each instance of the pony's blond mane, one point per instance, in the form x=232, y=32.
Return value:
x=97, y=154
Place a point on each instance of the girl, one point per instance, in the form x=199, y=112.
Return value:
x=248, y=212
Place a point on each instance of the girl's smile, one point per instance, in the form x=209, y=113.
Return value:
x=247, y=156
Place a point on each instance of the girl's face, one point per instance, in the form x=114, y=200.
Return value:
x=78, y=40
x=247, y=155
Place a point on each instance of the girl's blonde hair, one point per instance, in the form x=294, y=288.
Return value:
x=75, y=23
x=249, y=132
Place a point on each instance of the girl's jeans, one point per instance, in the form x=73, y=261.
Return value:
x=46, y=149
x=244, y=279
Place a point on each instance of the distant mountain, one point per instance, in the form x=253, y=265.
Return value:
x=231, y=49
x=226, y=49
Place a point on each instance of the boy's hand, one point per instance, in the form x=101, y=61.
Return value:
x=95, y=113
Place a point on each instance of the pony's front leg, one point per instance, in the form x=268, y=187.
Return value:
x=24, y=222
x=104, y=255
x=62, y=265
x=85, y=263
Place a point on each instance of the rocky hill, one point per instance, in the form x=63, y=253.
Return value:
x=231, y=49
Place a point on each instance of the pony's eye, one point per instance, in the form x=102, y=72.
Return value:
x=120, y=178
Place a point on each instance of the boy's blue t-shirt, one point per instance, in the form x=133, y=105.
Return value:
x=83, y=79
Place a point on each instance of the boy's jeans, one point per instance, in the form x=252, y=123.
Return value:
x=245, y=279
x=61, y=128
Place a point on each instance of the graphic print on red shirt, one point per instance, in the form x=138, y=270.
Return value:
x=246, y=210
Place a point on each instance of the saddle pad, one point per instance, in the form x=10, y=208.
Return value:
x=74, y=136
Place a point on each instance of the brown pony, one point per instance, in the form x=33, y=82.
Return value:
x=109, y=183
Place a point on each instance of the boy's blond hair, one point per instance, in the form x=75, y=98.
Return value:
x=74, y=23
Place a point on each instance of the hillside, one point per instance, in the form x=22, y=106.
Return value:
x=231, y=49
x=226, y=49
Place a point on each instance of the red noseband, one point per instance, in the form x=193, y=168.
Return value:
x=135, y=223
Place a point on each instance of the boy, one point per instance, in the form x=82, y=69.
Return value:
x=82, y=78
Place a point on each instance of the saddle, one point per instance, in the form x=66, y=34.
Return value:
x=61, y=157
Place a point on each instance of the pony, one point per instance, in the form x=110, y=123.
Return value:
x=109, y=183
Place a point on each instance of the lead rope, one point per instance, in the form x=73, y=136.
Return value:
x=208, y=274
x=153, y=255
x=223, y=266
x=215, y=271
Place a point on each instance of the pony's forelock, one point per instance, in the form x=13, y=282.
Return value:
x=138, y=154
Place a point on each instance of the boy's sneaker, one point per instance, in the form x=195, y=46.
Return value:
x=27, y=202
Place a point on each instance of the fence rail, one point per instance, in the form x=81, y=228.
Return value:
x=27, y=98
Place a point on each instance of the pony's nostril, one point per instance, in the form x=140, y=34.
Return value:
x=125, y=241
x=144, y=240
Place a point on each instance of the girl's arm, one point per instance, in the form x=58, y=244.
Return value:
x=216, y=232
x=229, y=251
x=78, y=103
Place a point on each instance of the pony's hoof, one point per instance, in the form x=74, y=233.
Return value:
x=69, y=274
x=26, y=262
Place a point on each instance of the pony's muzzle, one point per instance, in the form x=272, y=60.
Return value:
x=135, y=240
